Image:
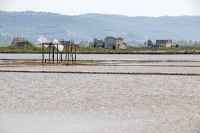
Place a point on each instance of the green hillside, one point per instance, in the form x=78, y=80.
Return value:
x=134, y=30
x=166, y=27
x=31, y=25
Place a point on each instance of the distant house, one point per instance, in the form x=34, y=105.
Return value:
x=91, y=44
x=120, y=44
x=112, y=43
x=71, y=41
x=98, y=43
x=165, y=43
x=18, y=42
x=64, y=43
x=149, y=43
x=81, y=45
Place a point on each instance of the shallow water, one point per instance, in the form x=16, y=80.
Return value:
x=121, y=69
x=88, y=103
x=108, y=57
x=84, y=103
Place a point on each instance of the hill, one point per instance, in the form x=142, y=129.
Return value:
x=31, y=25
x=166, y=27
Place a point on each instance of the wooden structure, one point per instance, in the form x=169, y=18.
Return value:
x=70, y=51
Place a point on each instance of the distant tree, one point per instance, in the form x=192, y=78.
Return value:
x=159, y=45
x=103, y=45
x=190, y=42
x=129, y=46
x=196, y=43
x=29, y=44
x=177, y=46
x=95, y=44
x=114, y=47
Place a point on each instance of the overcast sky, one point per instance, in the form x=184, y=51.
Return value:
x=121, y=7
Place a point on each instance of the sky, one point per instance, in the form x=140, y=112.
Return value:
x=152, y=8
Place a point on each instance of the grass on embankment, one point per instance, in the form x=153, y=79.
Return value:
x=100, y=50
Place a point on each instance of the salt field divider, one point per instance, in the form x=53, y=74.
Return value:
x=122, y=73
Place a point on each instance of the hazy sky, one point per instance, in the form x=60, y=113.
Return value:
x=121, y=7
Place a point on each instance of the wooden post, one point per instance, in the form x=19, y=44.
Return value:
x=42, y=53
x=57, y=53
x=72, y=54
x=61, y=56
x=49, y=52
x=53, y=54
x=75, y=53
x=68, y=53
